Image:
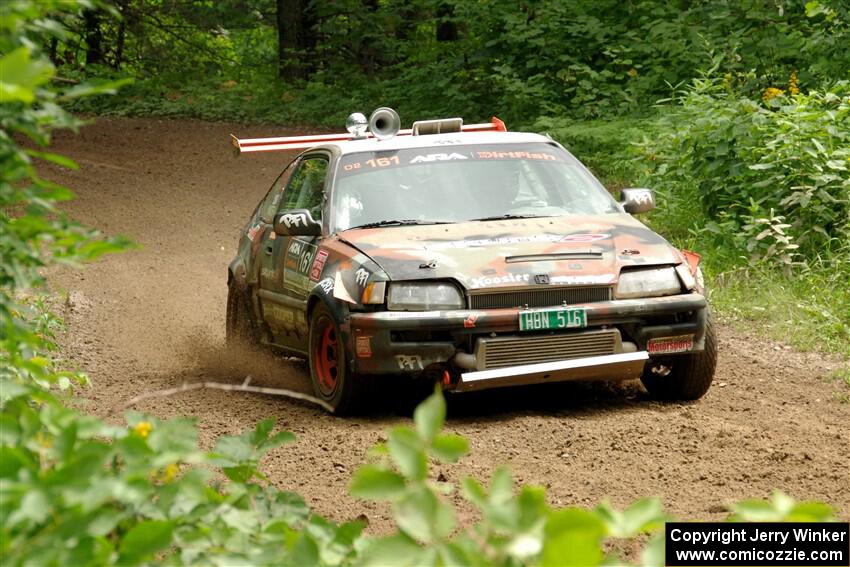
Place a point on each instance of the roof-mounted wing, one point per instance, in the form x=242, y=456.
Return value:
x=304, y=142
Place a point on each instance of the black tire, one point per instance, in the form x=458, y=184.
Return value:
x=240, y=330
x=690, y=375
x=333, y=381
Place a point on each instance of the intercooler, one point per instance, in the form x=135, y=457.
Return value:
x=501, y=352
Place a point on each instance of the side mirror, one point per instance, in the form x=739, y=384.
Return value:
x=297, y=222
x=637, y=200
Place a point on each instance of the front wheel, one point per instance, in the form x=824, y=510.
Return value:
x=686, y=376
x=332, y=379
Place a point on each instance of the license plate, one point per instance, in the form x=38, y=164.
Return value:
x=562, y=318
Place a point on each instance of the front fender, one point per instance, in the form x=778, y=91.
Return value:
x=237, y=273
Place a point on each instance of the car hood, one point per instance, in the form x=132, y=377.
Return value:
x=587, y=250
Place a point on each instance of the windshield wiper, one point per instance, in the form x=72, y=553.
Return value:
x=507, y=217
x=402, y=222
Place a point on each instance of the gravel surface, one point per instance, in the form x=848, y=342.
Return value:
x=153, y=318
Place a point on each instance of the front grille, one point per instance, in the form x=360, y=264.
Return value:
x=515, y=351
x=539, y=297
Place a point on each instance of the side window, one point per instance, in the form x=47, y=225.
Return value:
x=269, y=205
x=306, y=189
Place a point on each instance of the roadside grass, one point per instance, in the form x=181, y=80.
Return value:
x=841, y=377
x=810, y=311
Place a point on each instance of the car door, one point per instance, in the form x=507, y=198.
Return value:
x=287, y=260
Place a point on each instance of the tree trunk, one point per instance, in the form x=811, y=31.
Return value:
x=54, y=44
x=119, y=46
x=446, y=27
x=122, y=32
x=295, y=37
x=94, y=37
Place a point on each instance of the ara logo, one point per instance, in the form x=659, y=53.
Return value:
x=437, y=157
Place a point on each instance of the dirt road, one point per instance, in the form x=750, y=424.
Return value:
x=153, y=318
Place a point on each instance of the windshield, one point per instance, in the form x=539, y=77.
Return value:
x=463, y=183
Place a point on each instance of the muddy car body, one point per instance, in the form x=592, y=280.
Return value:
x=475, y=259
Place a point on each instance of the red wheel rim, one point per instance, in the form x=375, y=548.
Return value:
x=326, y=357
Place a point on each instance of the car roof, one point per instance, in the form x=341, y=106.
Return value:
x=439, y=141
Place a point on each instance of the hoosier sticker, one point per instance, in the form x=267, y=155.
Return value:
x=669, y=345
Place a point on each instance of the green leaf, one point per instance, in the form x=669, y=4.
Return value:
x=422, y=516
x=430, y=415
x=261, y=440
x=454, y=554
x=449, y=448
x=501, y=485
x=144, y=540
x=642, y=516
x=473, y=491
x=653, y=553
x=399, y=550
x=573, y=537
x=241, y=474
x=407, y=452
x=754, y=511
x=532, y=505
x=305, y=551
x=55, y=158
x=20, y=75
x=96, y=87
x=104, y=521
x=34, y=507
x=373, y=483
x=290, y=507
x=236, y=449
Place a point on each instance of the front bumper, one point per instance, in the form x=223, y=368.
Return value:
x=377, y=348
x=623, y=366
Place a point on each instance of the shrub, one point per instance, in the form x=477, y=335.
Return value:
x=768, y=175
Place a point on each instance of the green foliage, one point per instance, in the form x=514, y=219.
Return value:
x=604, y=146
x=33, y=231
x=76, y=490
x=582, y=59
x=760, y=186
x=770, y=175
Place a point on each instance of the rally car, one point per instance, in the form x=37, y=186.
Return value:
x=463, y=254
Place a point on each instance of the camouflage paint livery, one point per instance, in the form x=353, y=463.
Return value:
x=287, y=276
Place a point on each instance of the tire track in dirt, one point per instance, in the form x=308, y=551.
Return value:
x=154, y=317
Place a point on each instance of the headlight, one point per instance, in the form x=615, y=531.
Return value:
x=651, y=282
x=423, y=297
